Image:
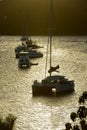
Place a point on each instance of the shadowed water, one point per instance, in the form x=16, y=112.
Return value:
x=41, y=113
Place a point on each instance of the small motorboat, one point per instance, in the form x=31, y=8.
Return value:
x=23, y=61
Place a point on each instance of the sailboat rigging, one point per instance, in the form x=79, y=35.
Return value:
x=57, y=82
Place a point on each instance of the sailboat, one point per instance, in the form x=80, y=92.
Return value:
x=28, y=42
x=29, y=48
x=51, y=84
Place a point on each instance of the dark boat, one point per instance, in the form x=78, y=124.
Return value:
x=53, y=84
x=30, y=53
x=29, y=44
x=24, y=61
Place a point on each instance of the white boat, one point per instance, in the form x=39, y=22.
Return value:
x=53, y=84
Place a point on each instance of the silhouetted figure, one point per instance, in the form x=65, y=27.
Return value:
x=73, y=116
x=81, y=99
x=82, y=112
x=83, y=124
x=85, y=94
x=76, y=127
x=68, y=126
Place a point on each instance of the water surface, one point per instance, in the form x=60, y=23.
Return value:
x=41, y=113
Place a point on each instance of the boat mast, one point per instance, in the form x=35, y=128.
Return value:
x=50, y=32
x=49, y=38
x=26, y=23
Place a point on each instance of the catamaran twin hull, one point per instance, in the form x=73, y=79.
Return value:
x=49, y=88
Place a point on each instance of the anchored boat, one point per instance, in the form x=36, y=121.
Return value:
x=24, y=61
x=30, y=53
x=53, y=84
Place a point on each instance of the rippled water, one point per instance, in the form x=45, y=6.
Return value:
x=41, y=113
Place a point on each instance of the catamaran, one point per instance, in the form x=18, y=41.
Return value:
x=51, y=84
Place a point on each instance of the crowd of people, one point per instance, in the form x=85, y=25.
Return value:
x=80, y=116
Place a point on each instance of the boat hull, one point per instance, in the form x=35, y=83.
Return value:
x=24, y=62
x=30, y=54
x=50, y=90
